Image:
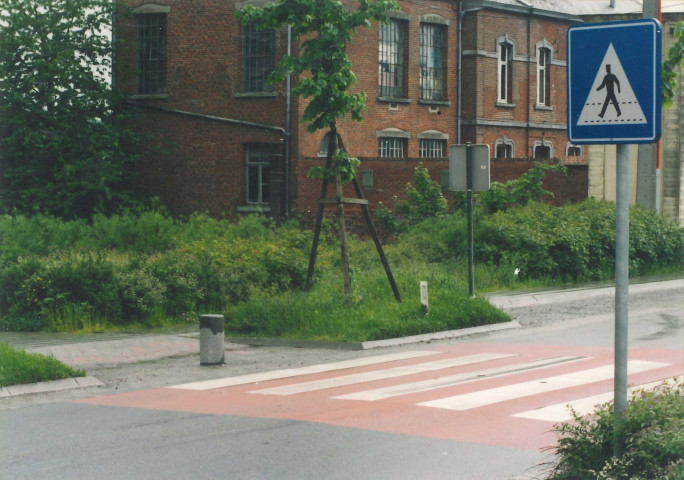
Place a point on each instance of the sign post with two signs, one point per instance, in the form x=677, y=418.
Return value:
x=614, y=72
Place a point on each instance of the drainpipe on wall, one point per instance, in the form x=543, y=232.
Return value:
x=529, y=81
x=459, y=82
x=288, y=129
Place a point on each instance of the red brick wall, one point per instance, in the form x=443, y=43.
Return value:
x=201, y=163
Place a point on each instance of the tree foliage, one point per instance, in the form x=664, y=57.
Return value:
x=325, y=27
x=63, y=145
x=675, y=57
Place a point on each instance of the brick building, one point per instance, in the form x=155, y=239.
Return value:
x=440, y=73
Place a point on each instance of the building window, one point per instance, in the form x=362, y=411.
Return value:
x=543, y=149
x=431, y=148
x=151, y=53
x=505, y=72
x=257, y=59
x=392, y=59
x=391, y=147
x=543, y=76
x=504, y=148
x=572, y=150
x=259, y=173
x=432, y=61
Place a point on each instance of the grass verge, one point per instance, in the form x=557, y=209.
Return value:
x=19, y=367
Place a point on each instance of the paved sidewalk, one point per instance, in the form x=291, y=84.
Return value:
x=93, y=351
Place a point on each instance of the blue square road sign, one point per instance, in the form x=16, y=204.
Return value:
x=614, y=82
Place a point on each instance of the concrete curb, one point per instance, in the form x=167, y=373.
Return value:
x=53, y=386
x=391, y=342
x=510, y=301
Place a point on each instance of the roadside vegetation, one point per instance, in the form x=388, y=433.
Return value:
x=19, y=367
x=653, y=425
x=145, y=269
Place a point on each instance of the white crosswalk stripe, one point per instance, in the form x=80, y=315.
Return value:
x=381, y=374
x=295, y=372
x=525, y=389
x=562, y=412
x=447, y=381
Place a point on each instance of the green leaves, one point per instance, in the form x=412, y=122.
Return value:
x=62, y=142
x=326, y=26
x=675, y=57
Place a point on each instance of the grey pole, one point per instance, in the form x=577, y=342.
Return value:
x=621, y=289
x=469, y=205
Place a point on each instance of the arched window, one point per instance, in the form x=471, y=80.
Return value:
x=544, y=53
x=505, y=51
x=504, y=148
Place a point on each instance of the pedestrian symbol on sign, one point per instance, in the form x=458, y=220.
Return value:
x=611, y=88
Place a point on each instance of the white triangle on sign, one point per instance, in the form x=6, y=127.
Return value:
x=611, y=100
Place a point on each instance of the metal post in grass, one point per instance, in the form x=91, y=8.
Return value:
x=469, y=172
x=621, y=291
x=469, y=204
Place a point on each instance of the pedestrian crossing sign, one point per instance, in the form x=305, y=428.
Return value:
x=613, y=73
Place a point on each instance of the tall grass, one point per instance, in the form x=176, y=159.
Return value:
x=20, y=367
x=150, y=269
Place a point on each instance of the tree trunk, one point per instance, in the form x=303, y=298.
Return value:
x=344, y=249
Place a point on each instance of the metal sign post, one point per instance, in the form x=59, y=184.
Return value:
x=614, y=98
x=469, y=171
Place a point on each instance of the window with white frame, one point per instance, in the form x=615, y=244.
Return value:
x=432, y=144
x=572, y=150
x=391, y=147
x=259, y=158
x=542, y=149
x=543, y=76
x=432, y=148
x=505, y=72
x=392, y=53
x=504, y=148
x=432, y=61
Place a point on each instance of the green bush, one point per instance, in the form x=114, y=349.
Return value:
x=520, y=191
x=424, y=199
x=653, y=426
x=577, y=242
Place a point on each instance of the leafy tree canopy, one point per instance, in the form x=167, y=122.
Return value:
x=326, y=26
x=62, y=143
x=675, y=57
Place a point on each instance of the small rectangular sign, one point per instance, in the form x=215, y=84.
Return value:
x=458, y=173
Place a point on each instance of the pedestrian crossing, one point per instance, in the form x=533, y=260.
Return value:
x=461, y=392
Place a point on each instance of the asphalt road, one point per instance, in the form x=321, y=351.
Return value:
x=69, y=435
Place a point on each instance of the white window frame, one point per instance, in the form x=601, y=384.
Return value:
x=505, y=51
x=544, y=59
x=261, y=167
x=504, y=142
x=542, y=143
x=392, y=143
x=432, y=144
x=570, y=145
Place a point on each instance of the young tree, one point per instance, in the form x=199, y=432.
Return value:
x=326, y=26
x=675, y=56
x=62, y=144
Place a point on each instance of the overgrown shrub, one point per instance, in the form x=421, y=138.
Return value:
x=577, y=242
x=424, y=200
x=519, y=191
x=653, y=426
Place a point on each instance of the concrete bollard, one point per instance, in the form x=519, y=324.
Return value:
x=212, y=350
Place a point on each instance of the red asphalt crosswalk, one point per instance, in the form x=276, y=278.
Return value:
x=497, y=394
